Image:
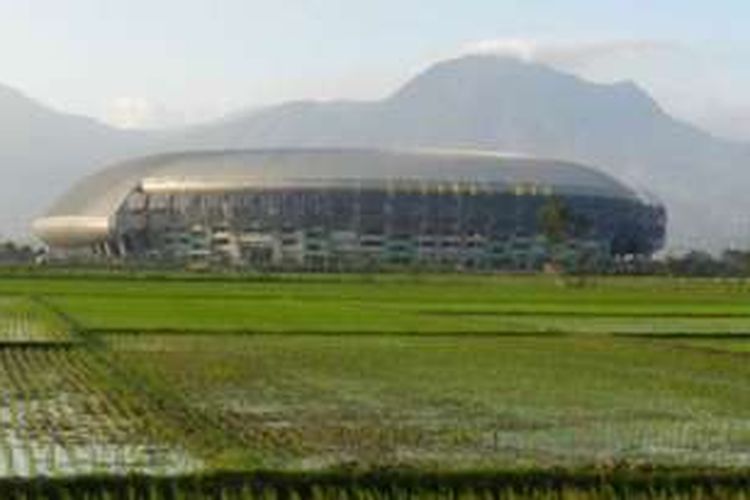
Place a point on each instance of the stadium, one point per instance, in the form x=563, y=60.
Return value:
x=351, y=208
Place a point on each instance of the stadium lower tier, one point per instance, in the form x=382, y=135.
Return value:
x=321, y=229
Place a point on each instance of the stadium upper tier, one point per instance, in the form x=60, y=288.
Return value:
x=85, y=214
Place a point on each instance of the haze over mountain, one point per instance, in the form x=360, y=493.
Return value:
x=477, y=102
x=43, y=151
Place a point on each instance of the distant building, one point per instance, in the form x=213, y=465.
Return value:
x=348, y=209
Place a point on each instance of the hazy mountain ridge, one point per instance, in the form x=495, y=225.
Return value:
x=42, y=152
x=479, y=102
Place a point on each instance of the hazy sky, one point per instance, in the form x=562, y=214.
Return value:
x=168, y=62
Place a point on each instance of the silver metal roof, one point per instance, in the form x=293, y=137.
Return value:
x=85, y=211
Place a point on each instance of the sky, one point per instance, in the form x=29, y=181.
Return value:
x=160, y=63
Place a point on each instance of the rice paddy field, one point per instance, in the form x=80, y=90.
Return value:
x=373, y=386
x=23, y=321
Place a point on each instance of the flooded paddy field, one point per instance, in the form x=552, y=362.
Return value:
x=59, y=416
x=310, y=402
x=62, y=413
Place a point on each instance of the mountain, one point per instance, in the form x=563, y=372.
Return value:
x=42, y=152
x=478, y=102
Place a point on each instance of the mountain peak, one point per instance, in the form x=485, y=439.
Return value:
x=522, y=91
x=474, y=72
x=489, y=62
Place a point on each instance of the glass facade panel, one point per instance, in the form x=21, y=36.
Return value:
x=351, y=227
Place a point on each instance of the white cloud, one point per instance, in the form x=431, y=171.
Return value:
x=131, y=112
x=570, y=54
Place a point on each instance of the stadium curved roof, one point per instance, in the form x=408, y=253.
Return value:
x=85, y=212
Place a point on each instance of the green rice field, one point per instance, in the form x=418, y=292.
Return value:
x=318, y=379
x=24, y=321
x=436, y=304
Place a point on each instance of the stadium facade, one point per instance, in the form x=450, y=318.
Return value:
x=337, y=209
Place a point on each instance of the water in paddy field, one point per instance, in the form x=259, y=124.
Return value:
x=55, y=452
x=56, y=416
x=714, y=442
x=55, y=422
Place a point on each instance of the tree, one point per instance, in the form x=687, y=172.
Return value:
x=554, y=219
x=12, y=253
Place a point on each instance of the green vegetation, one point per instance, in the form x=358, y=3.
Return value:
x=324, y=379
x=586, y=484
x=62, y=414
x=309, y=402
x=396, y=304
x=24, y=321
